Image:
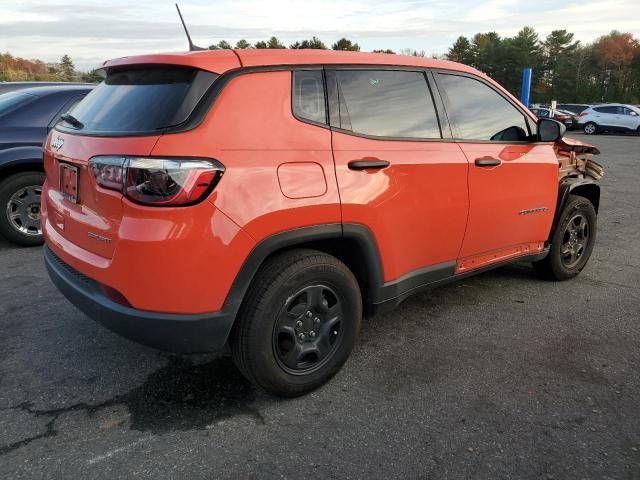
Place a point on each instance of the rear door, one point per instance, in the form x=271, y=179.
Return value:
x=399, y=173
x=608, y=116
x=513, y=181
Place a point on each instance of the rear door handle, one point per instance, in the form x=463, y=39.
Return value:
x=488, y=162
x=364, y=164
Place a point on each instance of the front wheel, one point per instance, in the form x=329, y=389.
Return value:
x=590, y=128
x=572, y=241
x=298, y=323
x=20, y=202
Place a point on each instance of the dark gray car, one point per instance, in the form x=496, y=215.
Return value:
x=26, y=116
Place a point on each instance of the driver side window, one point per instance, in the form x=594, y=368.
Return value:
x=480, y=113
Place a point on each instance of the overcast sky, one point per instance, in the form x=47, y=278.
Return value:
x=92, y=31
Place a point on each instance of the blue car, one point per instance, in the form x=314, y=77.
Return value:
x=26, y=116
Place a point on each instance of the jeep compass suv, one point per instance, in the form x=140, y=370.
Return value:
x=267, y=200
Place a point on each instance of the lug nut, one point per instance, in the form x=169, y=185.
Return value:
x=309, y=314
x=301, y=336
x=299, y=324
x=312, y=334
x=316, y=320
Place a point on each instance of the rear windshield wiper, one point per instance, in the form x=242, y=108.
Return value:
x=70, y=119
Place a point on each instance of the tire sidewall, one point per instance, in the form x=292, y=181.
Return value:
x=265, y=365
x=575, y=205
x=8, y=187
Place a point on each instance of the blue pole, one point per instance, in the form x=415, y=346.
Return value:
x=526, y=86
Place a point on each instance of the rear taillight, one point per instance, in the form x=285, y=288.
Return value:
x=583, y=114
x=157, y=181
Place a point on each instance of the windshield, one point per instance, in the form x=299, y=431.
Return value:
x=12, y=100
x=141, y=100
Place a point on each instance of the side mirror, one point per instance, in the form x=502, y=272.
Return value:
x=550, y=130
x=634, y=114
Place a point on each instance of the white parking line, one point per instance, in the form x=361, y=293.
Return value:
x=111, y=453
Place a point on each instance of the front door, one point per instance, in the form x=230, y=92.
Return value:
x=629, y=118
x=396, y=174
x=513, y=181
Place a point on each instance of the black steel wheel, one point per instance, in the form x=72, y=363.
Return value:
x=572, y=241
x=298, y=323
x=307, y=329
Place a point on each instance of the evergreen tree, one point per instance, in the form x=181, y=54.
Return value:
x=345, y=44
x=461, y=51
x=314, y=43
x=67, y=70
x=242, y=44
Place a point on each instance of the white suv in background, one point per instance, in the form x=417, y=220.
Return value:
x=610, y=117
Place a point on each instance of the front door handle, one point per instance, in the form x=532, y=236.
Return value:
x=365, y=164
x=488, y=162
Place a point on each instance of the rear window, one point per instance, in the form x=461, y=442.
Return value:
x=308, y=96
x=12, y=100
x=606, y=109
x=143, y=100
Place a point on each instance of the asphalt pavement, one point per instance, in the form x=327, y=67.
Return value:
x=501, y=375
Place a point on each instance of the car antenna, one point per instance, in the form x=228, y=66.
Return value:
x=192, y=47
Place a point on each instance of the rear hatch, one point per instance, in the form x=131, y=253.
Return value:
x=124, y=116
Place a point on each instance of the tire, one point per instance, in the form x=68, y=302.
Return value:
x=569, y=253
x=276, y=344
x=591, y=128
x=20, y=208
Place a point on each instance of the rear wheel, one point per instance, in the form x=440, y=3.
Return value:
x=299, y=322
x=20, y=202
x=572, y=242
x=590, y=128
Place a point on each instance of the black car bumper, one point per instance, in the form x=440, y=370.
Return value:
x=165, y=331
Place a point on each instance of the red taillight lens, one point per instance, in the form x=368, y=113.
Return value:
x=583, y=114
x=157, y=181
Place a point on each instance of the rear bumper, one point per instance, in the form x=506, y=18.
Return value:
x=172, y=332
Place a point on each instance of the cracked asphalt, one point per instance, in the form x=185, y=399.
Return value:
x=500, y=376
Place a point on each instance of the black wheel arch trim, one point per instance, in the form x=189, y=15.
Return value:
x=299, y=237
x=583, y=186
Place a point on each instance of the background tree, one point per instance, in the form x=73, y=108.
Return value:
x=345, y=44
x=616, y=54
x=488, y=54
x=91, y=77
x=314, y=43
x=461, y=51
x=221, y=45
x=412, y=53
x=559, y=51
x=67, y=70
x=242, y=44
x=388, y=50
x=519, y=52
x=273, y=42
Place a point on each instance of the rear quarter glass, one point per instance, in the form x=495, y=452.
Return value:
x=141, y=101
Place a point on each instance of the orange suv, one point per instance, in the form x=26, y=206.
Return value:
x=267, y=199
